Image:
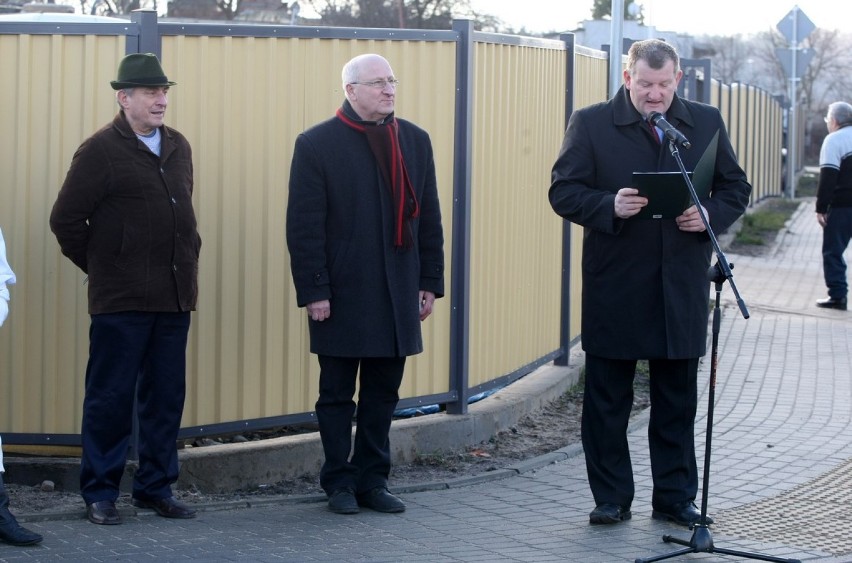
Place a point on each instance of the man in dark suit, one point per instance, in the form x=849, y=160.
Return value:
x=366, y=253
x=645, y=282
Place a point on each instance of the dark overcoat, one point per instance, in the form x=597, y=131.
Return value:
x=124, y=216
x=645, y=284
x=339, y=234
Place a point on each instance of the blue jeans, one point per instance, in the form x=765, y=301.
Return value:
x=835, y=239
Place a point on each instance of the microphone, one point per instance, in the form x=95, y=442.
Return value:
x=675, y=136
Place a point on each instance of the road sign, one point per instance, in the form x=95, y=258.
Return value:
x=803, y=59
x=795, y=26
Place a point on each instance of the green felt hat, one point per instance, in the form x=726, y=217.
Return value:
x=140, y=69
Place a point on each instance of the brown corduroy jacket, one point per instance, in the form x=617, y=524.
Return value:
x=124, y=216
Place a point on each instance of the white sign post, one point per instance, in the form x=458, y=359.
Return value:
x=795, y=27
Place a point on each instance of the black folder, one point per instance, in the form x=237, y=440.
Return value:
x=667, y=193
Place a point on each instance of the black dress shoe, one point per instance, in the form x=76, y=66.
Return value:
x=168, y=507
x=683, y=513
x=380, y=500
x=609, y=514
x=832, y=303
x=342, y=501
x=13, y=533
x=103, y=512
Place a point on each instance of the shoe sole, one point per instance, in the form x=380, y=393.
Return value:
x=669, y=518
x=21, y=543
x=600, y=521
x=394, y=506
x=345, y=510
x=839, y=305
x=394, y=510
x=105, y=522
x=143, y=504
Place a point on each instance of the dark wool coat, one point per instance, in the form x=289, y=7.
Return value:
x=124, y=216
x=645, y=283
x=339, y=234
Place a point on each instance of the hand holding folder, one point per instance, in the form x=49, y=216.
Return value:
x=667, y=192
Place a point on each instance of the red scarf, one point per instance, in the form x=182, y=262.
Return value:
x=384, y=142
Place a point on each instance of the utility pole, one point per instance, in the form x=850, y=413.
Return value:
x=616, y=34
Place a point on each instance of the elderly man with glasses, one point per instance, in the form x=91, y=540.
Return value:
x=834, y=203
x=366, y=254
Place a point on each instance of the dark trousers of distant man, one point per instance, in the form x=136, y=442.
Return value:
x=835, y=239
x=378, y=395
x=133, y=355
x=670, y=430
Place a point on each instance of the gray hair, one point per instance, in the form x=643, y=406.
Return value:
x=655, y=52
x=128, y=91
x=841, y=113
x=352, y=70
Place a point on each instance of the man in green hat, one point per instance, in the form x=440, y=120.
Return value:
x=124, y=216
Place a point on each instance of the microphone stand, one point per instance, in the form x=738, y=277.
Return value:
x=702, y=539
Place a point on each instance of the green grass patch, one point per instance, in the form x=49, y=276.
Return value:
x=761, y=225
x=807, y=185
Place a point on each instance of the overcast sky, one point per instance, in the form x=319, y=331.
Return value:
x=714, y=17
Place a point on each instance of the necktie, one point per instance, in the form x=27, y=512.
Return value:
x=654, y=132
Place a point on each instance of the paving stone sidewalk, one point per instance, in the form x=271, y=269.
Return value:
x=780, y=480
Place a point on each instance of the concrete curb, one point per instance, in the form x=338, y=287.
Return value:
x=548, y=383
x=230, y=467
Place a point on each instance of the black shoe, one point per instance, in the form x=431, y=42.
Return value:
x=13, y=533
x=832, y=303
x=103, y=512
x=380, y=500
x=609, y=514
x=683, y=513
x=10, y=531
x=342, y=501
x=168, y=507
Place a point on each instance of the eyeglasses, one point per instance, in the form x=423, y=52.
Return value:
x=380, y=84
x=826, y=119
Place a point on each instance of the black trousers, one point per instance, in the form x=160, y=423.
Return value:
x=140, y=356
x=607, y=402
x=378, y=395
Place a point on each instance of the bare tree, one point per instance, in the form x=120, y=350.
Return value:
x=229, y=8
x=757, y=61
x=415, y=14
x=732, y=58
x=115, y=7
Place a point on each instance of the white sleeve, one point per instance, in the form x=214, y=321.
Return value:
x=6, y=273
x=6, y=276
x=4, y=304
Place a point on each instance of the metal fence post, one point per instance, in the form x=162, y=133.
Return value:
x=148, y=40
x=460, y=282
x=565, y=313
